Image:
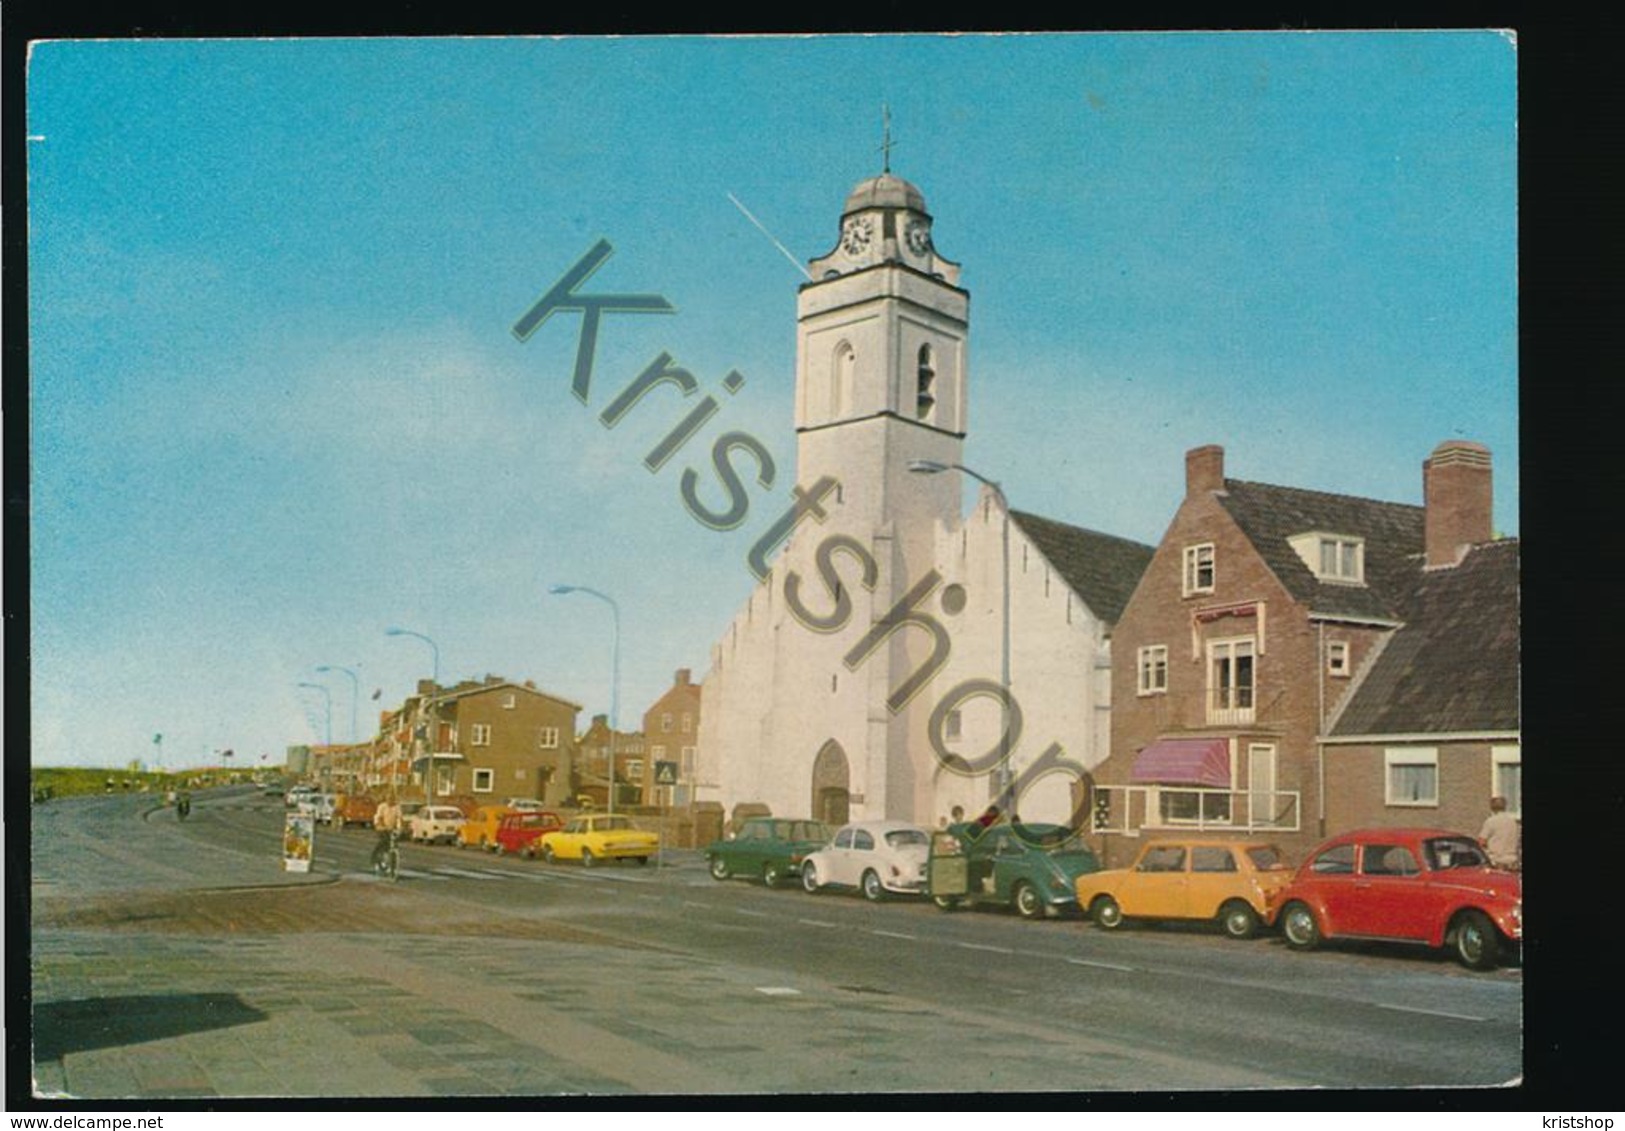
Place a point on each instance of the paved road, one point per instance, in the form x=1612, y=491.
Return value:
x=176, y=960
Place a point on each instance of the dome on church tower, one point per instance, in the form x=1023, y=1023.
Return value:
x=884, y=191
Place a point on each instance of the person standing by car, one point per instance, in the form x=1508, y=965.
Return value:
x=387, y=820
x=1500, y=835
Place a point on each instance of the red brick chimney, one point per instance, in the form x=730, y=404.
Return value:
x=1204, y=470
x=1456, y=494
x=685, y=676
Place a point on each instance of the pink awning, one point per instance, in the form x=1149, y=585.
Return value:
x=1184, y=761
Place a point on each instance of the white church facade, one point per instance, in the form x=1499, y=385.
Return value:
x=865, y=676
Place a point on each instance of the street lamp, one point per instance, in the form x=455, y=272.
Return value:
x=433, y=721
x=936, y=467
x=328, y=696
x=615, y=674
x=355, y=692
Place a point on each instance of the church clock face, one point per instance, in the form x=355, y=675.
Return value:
x=857, y=234
x=918, y=235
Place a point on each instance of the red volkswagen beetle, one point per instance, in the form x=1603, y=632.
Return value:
x=1413, y=885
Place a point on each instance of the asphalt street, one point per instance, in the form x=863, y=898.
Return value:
x=176, y=960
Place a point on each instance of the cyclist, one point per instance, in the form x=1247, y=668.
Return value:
x=183, y=805
x=387, y=820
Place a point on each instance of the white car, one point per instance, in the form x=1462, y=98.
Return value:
x=297, y=794
x=526, y=805
x=435, y=824
x=874, y=856
x=319, y=806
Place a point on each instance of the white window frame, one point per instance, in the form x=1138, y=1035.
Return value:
x=1511, y=755
x=1337, y=659
x=665, y=723
x=548, y=738
x=1192, y=584
x=685, y=767
x=479, y=734
x=489, y=777
x=688, y=723
x=510, y=701
x=1394, y=757
x=1153, y=669
x=1232, y=712
x=1338, y=544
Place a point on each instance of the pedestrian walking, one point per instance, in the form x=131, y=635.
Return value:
x=1500, y=836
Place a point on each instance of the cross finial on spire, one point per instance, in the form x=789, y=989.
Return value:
x=886, y=142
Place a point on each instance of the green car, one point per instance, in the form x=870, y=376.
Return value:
x=770, y=847
x=1032, y=867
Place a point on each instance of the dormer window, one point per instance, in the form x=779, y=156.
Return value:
x=1198, y=569
x=925, y=399
x=1332, y=557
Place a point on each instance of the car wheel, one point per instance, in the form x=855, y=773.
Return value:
x=641, y=860
x=1238, y=919
x=809, y=879
x=547, y=854
x=338, y=823
x=1299, y=928
x=873, y=890
x=1028, y=903
x=772, y=876
x=720, y=869
x=588, y=860
x=1108, y=914
x=1476, y=943
x=945, y=903
x=498, y=850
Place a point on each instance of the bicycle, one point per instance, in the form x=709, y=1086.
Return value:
x=388, y=862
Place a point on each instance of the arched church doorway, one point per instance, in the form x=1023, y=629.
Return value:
x=831, y=785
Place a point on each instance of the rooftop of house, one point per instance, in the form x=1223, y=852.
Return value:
x=1102, y=569
x=1453, y=666
x=1392, y=533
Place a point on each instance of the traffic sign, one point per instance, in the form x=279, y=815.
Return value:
x=665, y=773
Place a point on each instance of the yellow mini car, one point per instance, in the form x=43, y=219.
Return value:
x=594, y=837
x=1229, y=881
x=480, y=830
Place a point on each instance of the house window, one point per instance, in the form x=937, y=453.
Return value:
x=480, y=734
x=1199, y=569
x=550, y=738
x=1230, y=680
x=926, y=375
x=1190, y=806
x=509, y=701
x=1506, y=777
x=1154, y=669
x=658, y=753
x=1337, y=658
x=1341, y=559
x=688, y=723
x=665, y=723
x=484, y=781
x=1412, y=776
x=634, y=769
x=686, y=767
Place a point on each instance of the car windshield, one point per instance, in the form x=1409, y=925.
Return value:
x=1266, y=858
x=902, y=838
x=1444, y=853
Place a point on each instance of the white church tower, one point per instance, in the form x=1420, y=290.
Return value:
x=820, y=692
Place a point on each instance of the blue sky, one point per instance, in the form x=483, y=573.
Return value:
x=276, y=406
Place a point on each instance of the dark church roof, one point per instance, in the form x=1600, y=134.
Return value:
x=1101, y=569
x=1270, y=515
x=1453, y=667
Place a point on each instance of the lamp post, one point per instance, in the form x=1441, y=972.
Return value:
x=430, y=707
x=936, y=467
x=328, y=697
x=615, y=673
x=355, y=692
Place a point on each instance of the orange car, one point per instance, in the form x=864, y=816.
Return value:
x=480, y=830
x=1226, y=880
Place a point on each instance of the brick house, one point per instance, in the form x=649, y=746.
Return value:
x=671, y=728
x=492, y=739
x=1294, y=663
x=594, y=749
